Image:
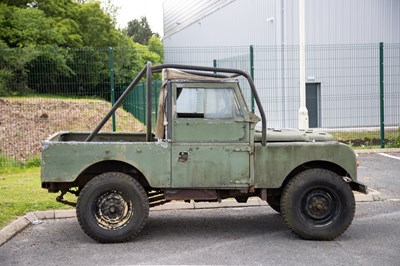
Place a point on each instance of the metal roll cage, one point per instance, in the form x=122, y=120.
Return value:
x=149, y=69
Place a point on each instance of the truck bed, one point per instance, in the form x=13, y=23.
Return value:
x=65, y=136
x=66, y=156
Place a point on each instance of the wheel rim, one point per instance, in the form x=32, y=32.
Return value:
x=112, y=210
x=319, y=207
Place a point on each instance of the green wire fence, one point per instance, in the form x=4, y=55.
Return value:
x=353, y=91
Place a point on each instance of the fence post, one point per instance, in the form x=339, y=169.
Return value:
x=381, y=95
x=252, y=74
x=215, y=63
x=112, y=87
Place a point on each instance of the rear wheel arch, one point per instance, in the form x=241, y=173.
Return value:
x=112, y=208
x=110, y=166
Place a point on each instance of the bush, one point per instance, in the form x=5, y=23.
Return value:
x=395, y=142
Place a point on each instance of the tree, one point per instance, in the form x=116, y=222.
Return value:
x=96, y=27
x=24, y=27
x=155, y=45
x=130, y=58
x=23, y=34
x=110, y=9
x=139, y=30
x=38, y=41
x=18, y=3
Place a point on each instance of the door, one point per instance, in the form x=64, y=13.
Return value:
x=210, y=137
x=313, y=104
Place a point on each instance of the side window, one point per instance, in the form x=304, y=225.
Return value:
x=190, y=102
x=219, y=103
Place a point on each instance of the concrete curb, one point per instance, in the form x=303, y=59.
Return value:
x=385, y=150
x=33, y=218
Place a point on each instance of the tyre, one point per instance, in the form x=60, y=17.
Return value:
x=112, y=207
x=317, y=204
x=274, y=203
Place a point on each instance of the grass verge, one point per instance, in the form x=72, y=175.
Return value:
x=368, y=139
x=21, y=192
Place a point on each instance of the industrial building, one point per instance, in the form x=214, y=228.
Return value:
x=342, y=54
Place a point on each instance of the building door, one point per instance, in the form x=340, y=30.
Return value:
x=313, y=104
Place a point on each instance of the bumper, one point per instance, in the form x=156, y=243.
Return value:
x=360, y=187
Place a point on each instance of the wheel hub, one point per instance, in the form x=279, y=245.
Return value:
x=112, y=210
x=319, y=206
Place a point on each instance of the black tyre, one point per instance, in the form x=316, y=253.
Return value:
x=112, y=207
x=275, y=203
x=318, y=204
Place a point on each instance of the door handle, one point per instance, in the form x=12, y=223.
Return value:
x=183, y=156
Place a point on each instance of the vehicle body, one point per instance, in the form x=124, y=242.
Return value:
x=205, y=148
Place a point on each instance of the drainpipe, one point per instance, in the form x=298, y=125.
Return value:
x=303, y=112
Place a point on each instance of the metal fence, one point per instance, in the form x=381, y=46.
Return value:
x=353, y=91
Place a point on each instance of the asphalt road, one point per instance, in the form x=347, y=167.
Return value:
x=239, y=236
x=381, y=173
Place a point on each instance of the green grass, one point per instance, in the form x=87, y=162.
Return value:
x=9, y=165
x=368, y=140
x=21, y=192
x=52, y=96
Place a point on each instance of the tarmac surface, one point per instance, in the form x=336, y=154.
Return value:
x=217, y=236
x=33, y=218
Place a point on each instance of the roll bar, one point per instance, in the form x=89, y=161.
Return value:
x=149, y=69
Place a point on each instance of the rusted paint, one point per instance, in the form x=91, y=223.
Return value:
x=64, y=161
x=195, y=194
x=274, y=162
x=214, y=165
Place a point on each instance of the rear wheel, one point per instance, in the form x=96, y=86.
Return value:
x=318, y=204
x=112, y=207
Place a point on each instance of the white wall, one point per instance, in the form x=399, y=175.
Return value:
x=342, y=54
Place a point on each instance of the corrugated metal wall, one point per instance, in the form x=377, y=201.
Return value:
x=181, y=14
x=237, y=23
x=274, y=22
x=345, y=72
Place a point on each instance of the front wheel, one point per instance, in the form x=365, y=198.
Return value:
x=317, y=204
x=112, y=207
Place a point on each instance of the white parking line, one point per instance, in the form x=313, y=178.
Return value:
x=390, y=156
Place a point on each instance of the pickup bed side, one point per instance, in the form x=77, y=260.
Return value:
x=65, y=161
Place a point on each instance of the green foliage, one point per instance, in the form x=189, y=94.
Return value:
x=139, y=30
x=155, y=45
x=96, y=27
x=17, y=3
x=394, y=142
x=34, y=162
x=110, y=9
x=5, y=76
x=10, y=165
x=47, y=44
x=25, y=27
x=130, y=58
x=13, y=72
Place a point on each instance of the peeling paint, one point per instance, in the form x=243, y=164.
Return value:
x=162, y=144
